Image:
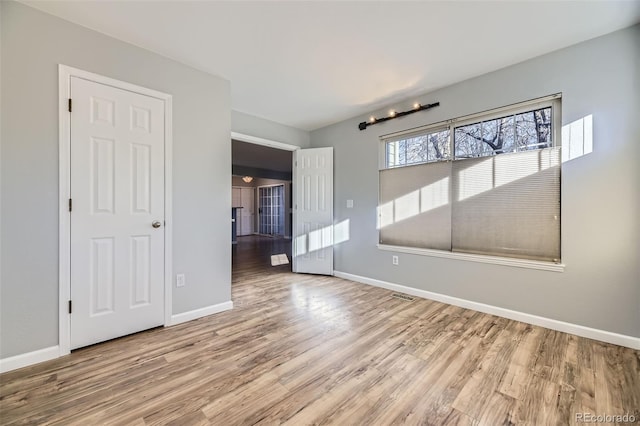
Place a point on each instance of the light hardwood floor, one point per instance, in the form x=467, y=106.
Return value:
x=301, y=349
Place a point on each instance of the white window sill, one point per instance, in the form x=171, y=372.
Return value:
x=495, y=260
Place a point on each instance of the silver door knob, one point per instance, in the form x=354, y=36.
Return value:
x=156, y=224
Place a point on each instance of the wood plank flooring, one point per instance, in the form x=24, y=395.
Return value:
x=302, y=349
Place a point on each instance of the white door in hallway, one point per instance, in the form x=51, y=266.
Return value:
x=313, y=211
x=247, y=213
x=117, y=215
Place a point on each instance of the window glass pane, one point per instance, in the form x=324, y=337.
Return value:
x=438, y=144
x=392, y=150
x=470, y=142
x=533, y=130
x=402, y=152
x=521, y=132
x=419, y=149
x=498, y=135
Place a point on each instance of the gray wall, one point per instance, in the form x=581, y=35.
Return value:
x=600, y=287
x=33, y=44
x=262, y=128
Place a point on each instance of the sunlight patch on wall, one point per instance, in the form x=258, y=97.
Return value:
x=341, y=232
x=577, y=138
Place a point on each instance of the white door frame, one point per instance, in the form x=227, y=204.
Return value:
x=262, y=141
x=64, y=140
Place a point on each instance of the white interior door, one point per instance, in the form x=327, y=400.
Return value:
x=236, y=202
x=313, y=211
x=235, y=196
x=117, y=217
x=247, y=213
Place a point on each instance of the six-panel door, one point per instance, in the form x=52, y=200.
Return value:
x=313, y=183
x=117, y=187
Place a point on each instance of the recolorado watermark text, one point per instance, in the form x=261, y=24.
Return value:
x=605, y=418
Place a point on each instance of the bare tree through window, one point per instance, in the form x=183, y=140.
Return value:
x=425, y=148
x=518, y=132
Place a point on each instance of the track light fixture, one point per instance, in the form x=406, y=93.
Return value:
x=393, y=114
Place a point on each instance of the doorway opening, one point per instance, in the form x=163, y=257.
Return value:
x=261, y=206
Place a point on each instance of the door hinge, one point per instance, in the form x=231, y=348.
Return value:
x=70, y=204
x=70, y=306
x=70, y=106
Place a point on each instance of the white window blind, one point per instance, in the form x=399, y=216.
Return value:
x=415, y=209
x=508, y=205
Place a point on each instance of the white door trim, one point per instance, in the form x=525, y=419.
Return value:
x=262, y=141
x=64, y=89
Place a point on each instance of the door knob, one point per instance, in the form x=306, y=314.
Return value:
x=156, y=224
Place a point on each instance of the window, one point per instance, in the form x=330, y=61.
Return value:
x=487, y=184
x=527, y=129
x=424, y=148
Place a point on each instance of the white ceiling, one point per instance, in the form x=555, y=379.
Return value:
x=312, y=63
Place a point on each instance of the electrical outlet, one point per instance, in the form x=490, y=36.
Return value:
x=349, y=204
x=394, y=260
x=181, y=281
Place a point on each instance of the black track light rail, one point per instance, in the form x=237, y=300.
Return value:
x=366, y=124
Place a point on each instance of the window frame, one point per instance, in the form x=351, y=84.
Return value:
x=553, y=101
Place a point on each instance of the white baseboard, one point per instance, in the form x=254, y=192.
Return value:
x=199, y=313
x=46, y=354
x=566, y=327
x=29, y=358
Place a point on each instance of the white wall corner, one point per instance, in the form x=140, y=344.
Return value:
x=29, y=358
x=199, y=313
x=565, y=327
